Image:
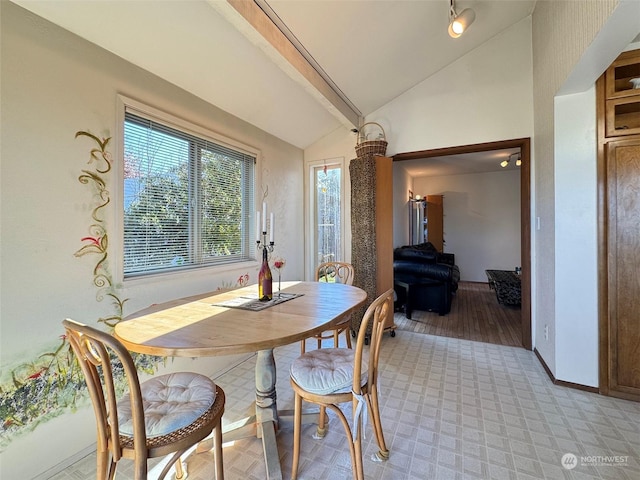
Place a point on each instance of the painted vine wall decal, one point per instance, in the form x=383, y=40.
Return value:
x=52, y=384
x=44, y=388
x=98, y=241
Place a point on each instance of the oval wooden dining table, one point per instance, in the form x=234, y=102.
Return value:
x=208, y=325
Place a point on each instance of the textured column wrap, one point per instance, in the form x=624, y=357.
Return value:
x=363, y=230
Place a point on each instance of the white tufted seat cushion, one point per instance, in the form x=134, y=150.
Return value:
x=171, y=402
x=326, y=370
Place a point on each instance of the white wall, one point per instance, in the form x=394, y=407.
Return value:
x=569, y=60
x=576, y=273
x=481, y=219
x=481, y=97
x=53, y=85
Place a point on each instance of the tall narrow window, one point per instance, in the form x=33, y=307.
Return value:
x=187, y=199
x=327, y=208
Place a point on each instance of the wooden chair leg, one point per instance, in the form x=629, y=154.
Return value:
x=179, y=469
x=112, y=470
x=321, y=430
x=357, y=447
x=374, y=408
x=354, y=451
x=347, y=333
x=176, y=463
x=303, y=346
x=102, y=464
x=217, y=451
x=140, y=468
x=297, y=427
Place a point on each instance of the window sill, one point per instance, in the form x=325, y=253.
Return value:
x=195, y=274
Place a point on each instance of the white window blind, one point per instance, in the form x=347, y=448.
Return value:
x=188, y=201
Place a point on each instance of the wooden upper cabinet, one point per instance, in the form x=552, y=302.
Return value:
x=622, y=95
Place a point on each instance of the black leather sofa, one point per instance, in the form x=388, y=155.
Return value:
x=424, y=279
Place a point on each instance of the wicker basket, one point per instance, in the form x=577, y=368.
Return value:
x=371, y=147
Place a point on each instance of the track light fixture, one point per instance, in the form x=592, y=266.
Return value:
x=506, y=161
x=458, y=23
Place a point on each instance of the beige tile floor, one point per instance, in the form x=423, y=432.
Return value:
x=451, y=409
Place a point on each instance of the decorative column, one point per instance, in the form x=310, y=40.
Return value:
x=363, y=227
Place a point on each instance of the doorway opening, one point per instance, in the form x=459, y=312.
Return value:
x=524, y=146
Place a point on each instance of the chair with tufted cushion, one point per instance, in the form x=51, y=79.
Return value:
x=331, y=376
x=163, y=415
x=334, y=272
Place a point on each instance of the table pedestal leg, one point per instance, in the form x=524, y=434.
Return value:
x=267, y=411
x=266, y=421
x=266, y=406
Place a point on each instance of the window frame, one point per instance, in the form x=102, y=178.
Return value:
x=127, y=104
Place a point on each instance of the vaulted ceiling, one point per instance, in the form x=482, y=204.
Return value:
x=370, y=51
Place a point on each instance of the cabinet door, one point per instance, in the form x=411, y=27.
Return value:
x=623, y=238
x=623, y=116
x=435, y=221
x=622, y=75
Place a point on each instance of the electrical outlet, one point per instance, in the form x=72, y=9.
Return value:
x=546, y=332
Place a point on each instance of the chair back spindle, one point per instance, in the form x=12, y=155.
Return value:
x=335, y=272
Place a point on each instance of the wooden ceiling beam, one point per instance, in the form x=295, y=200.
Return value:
x=252, y=21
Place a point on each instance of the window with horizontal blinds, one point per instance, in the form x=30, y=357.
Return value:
x=187, y=200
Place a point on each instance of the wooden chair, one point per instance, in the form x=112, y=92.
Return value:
x=331, y=376
x=165, y=414
x=334, y=272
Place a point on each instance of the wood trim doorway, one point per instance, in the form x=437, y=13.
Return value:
x=525, y=209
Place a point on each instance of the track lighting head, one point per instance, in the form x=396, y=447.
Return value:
x=458, y=23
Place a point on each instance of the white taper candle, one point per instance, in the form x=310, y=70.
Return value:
x=271, y=222
x=264, y=217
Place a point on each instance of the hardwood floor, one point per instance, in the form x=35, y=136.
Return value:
x=475, y=315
